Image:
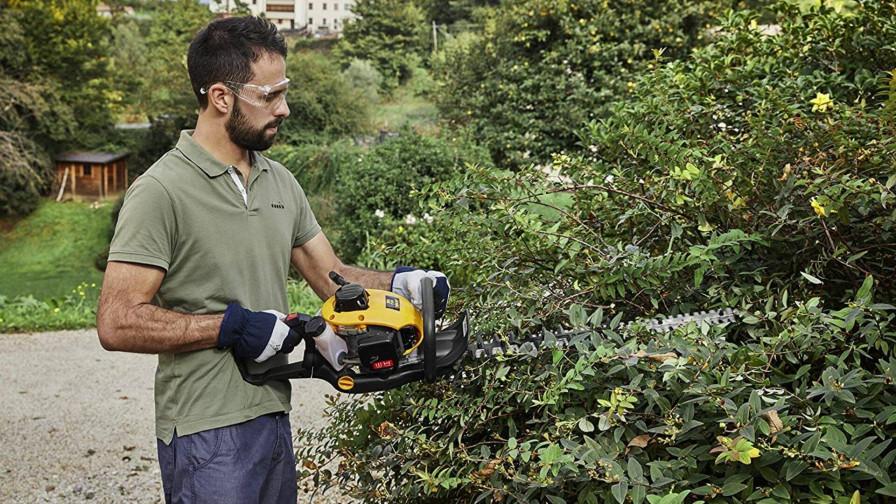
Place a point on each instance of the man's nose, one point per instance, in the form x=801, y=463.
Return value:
x=282, y=110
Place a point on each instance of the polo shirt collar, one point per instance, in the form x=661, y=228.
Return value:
x=205, y=161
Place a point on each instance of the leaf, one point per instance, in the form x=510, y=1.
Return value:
x=619, y=490
x=635, y=472
x=811, y=278
x=732, y=488
x=864, y=294
x=638, y=492
x=639, y=441
x=774, y=422
x=889, y=490
x=792, y=469
x=585, y=425
x=577, y=316
x=856, y=498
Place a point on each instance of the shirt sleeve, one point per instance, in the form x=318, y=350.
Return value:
x=146, y=230
x=306, y=223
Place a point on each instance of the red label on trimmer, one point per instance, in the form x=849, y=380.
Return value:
x=383, y=364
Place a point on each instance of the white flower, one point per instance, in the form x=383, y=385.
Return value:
x=428, y=218
x=552, y=174
x=592, y=148
x=609, y=179
x=379, y=214
x=722, y=126
x=410, y=220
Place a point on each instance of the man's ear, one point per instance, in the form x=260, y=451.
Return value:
x=218, y=98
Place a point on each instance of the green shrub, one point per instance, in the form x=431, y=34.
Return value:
x=76, y=310
x=301, y=298
x=380, y=187
x=782, y=415
x=365, y=79
x=756, y=174
x=542, y=68
x=321, y=101
x=316, y=166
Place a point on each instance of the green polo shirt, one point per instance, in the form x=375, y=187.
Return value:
x=187, y=216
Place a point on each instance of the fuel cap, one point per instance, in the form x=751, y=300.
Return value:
x=351, y=297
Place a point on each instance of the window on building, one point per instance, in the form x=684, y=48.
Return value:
x=87, y=170
x=336, y=6
x=310, y=6
x=310, y=21
x=325, y=5
x=325, y=21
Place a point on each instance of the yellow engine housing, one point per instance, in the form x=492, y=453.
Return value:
x=385, y=309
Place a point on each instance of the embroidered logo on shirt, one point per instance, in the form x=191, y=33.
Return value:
x=278, y=204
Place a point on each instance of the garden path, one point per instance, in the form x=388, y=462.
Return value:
x=76, y=421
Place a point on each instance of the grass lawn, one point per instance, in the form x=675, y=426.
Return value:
x=407, y=107
x=50, y=252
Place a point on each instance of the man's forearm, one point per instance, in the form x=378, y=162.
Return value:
x=371, y=279
x=146, y=328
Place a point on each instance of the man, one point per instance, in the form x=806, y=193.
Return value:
x=197, y=271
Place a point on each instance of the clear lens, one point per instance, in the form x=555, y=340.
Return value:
x=268, y=96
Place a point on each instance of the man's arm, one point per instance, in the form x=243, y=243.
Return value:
x=125, y=321
x=315, y=259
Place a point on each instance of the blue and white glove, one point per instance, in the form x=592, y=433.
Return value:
x=255, y=335
x=406, y=282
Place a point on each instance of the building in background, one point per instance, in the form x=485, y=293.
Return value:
x=91, y=175
x=317, y=17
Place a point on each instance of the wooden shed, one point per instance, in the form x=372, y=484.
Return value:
x=91, y=175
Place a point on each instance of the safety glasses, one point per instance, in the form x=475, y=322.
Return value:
x=269, y=96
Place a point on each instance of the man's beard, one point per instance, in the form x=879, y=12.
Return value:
x=241, y=132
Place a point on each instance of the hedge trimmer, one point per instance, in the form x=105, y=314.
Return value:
x=369, y=340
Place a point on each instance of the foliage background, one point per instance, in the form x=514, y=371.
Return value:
x=752, y=171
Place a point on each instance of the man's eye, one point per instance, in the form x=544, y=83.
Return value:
x=272, y=97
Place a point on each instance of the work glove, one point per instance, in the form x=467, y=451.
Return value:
x=406, y=282
x=255, y=335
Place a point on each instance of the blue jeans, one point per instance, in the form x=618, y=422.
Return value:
x=251, y=462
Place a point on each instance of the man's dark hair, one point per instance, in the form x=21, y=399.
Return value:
x=225, y=50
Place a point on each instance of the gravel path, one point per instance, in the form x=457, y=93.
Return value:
x=76, y=421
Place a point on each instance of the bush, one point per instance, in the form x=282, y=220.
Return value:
x=321, y=103
x=316, y=167
x=380, y=187
x=756, y=174
x=76, y=310
x=364, y=79
x=542, y=68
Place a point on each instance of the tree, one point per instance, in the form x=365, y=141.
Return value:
x=389, y=33
x=167, y=89
x=448, y=12
x=65, y=44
